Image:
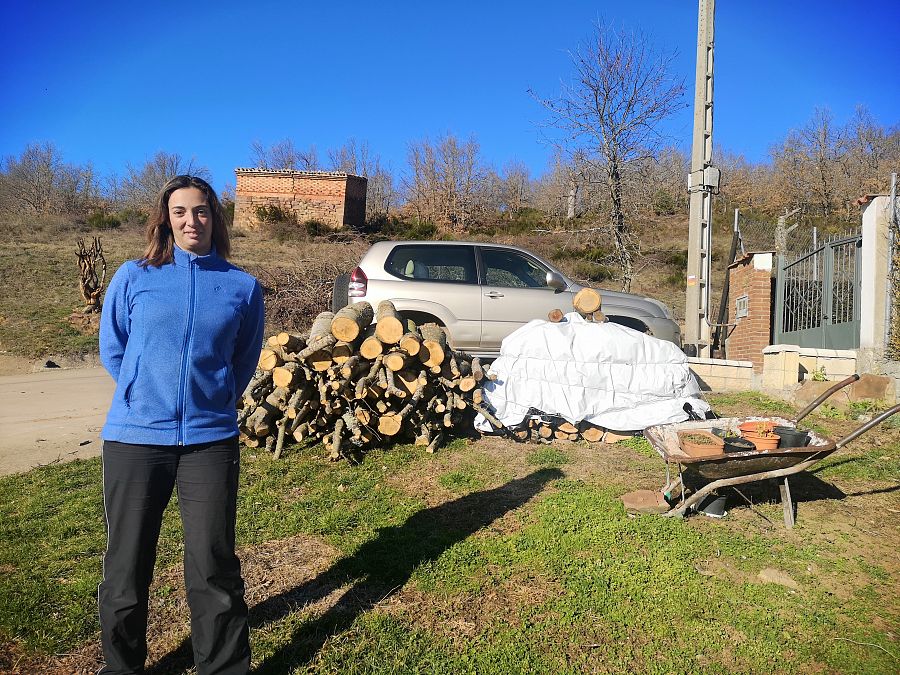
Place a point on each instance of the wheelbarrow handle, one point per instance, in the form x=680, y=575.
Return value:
x=856, y=433
x=815, y=404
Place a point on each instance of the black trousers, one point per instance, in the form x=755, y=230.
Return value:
x=137, y=484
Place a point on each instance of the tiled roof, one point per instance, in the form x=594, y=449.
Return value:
x=295, y=172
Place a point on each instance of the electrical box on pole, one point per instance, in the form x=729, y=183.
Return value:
x=703, y=183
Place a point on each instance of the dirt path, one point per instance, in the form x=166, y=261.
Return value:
x=52, y=415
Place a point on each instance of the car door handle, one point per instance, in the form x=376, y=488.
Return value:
x=493, y=294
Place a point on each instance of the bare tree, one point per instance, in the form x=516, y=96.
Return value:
x=355, y=158
x=284, y=155
x=621, y=91
x=140, y=185
x=446, y=184
x=39, y=182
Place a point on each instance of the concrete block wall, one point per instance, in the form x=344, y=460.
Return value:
x=334, y=198
x=751, y=281
x=722, y=374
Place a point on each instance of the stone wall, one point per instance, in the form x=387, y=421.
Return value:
x=750, y=308
x=336, y=199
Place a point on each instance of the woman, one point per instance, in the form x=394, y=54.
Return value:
x=180, y=334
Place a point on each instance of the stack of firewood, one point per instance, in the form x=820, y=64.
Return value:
x=353, y=384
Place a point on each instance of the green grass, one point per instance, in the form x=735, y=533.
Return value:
x=569, y=584
x=751, y=402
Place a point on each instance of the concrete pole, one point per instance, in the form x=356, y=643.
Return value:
x=697, y=329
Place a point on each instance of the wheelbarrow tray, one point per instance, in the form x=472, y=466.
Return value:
x=664, y=439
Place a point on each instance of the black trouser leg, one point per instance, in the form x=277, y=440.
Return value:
x=207, y=482
x=137, y=485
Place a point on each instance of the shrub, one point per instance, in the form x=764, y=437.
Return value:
x=272, y=214
x=316, y=228
x=100, y=220
x=131, y=216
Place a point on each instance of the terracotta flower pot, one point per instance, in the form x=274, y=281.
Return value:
x=700, y=443
x=763, y=441
x=756, y=427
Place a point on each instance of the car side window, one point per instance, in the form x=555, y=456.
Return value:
x=454, y=264
x=509, y=269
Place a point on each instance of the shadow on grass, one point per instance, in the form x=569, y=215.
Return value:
x=376, y=569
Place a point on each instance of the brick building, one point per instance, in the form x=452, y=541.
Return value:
x=750, y=309
x=334, y=198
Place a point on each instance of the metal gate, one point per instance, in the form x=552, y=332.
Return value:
x=817, y=296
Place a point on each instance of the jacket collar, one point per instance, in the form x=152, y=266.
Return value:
x=184, y=258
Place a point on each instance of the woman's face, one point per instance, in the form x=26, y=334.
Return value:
x=191, y=220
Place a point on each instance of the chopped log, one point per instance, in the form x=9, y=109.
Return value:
x=467, y=383
x=371, y=346
x=320, y=360
x=389, y=424
x=396, y=361
x=273, y=341
x=364, y=415
x=269, y=359
x=389, y=325
x=591, y=433
x=411, y=343
x=287, y=375
x=351, y=320
x=567, y=428
x=545, y=431
x=321, y=327
x=477, y=370
x=587, y=300
x=555, y=315
x=341, y=352
x=322, y=342
x=290, y=342
x=434, y=345
x=349, y=367
x=599, y=317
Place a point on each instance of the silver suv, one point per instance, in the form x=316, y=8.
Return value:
x=482, y=292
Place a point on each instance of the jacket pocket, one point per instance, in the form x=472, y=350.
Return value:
x=129, y=388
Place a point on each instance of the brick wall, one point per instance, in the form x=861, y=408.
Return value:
x=336, y=199
x=751, y=290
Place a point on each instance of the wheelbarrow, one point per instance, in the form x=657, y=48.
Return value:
x=738, y=468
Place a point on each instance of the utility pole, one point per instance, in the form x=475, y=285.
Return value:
x=703, y=182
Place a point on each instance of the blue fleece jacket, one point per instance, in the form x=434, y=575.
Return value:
x=181, y=341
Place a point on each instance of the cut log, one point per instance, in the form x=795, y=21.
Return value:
x=599, y=317
x=342, y=352
x=555, y=315
x=269, y=359
x=591, y=433
x=290, y=342
x=587, y=300
x=396, y=361
x=389, y=424
x=288, y=375
x=389, y=325
x=351, y=320
x=321, y=327
x=434, y=345
x=567, y=428
x=411, y=343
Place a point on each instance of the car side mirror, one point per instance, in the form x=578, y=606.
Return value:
x=555, y=281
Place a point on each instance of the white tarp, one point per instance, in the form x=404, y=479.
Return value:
x=604, y=373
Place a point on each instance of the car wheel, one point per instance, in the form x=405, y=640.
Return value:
x=339, y=294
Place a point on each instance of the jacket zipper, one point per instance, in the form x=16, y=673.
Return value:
x=184, y=354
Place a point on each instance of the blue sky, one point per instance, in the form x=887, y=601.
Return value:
x=111, y=83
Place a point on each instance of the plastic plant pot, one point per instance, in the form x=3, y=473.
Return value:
x=738, y=444
x=792, y=437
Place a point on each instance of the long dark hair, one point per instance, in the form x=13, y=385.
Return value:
x=161, y=242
